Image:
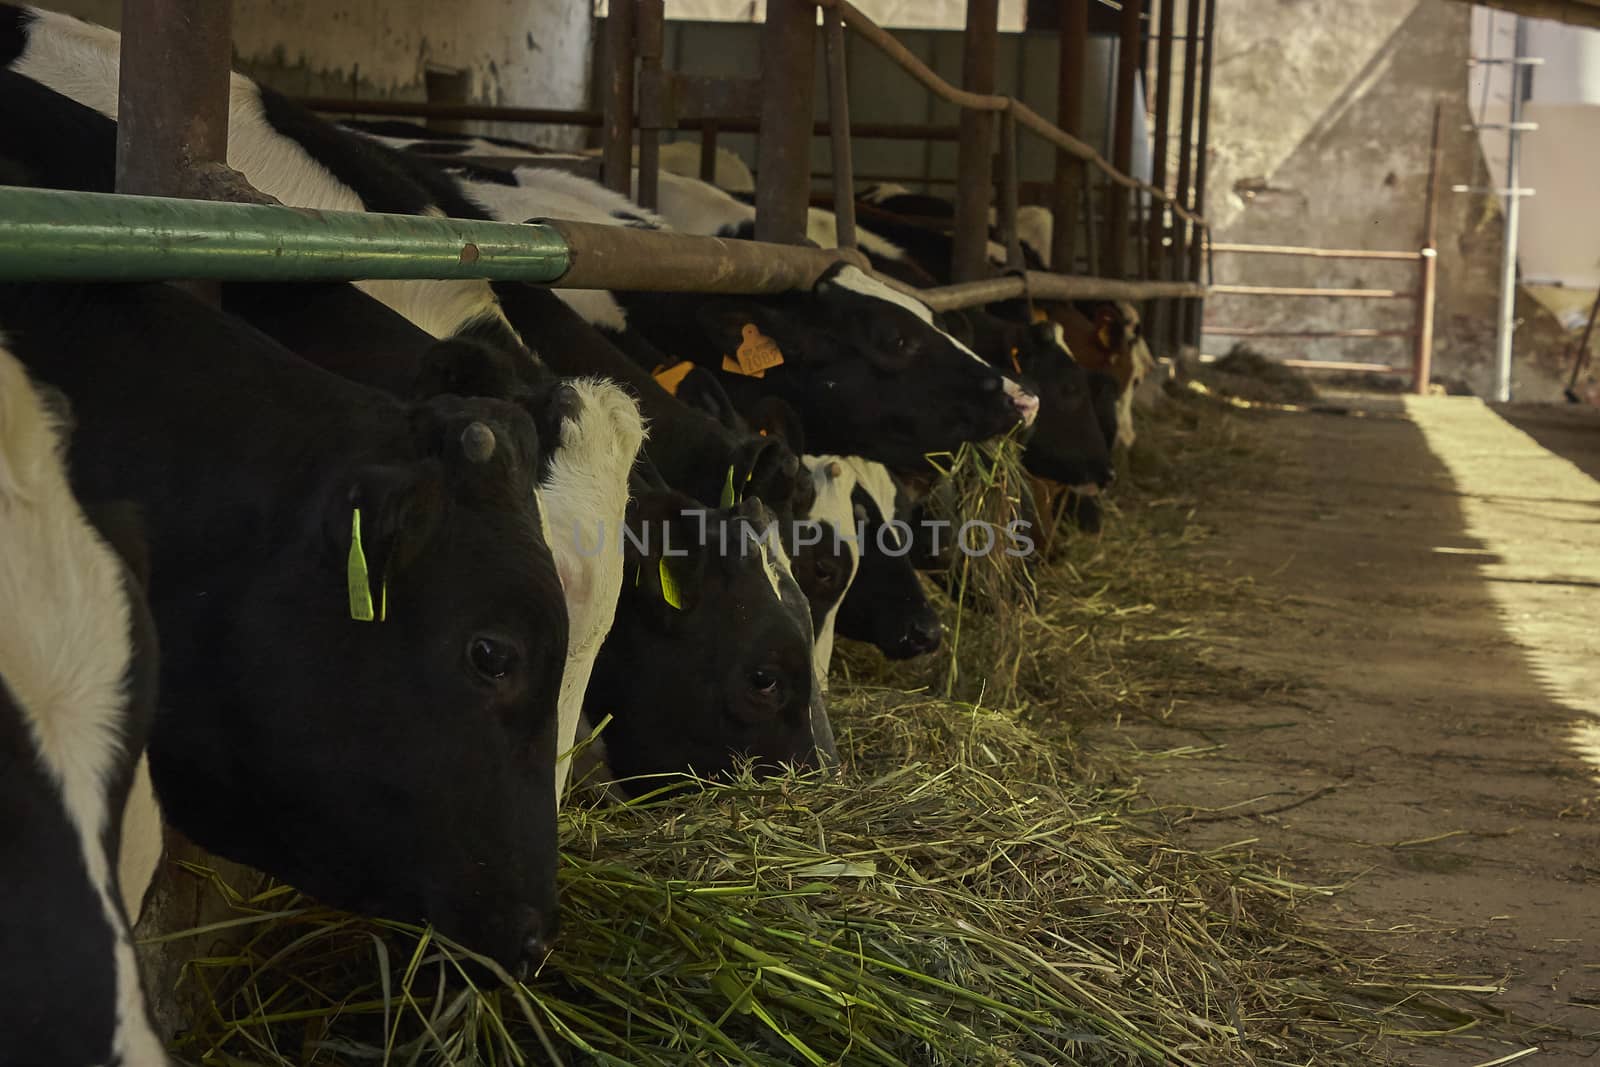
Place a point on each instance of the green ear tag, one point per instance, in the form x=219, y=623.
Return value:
x=669, y=588
x=356, y=574
x=727, y=490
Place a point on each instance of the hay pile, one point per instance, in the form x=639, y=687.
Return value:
x=1248, y=375
x=969, y=891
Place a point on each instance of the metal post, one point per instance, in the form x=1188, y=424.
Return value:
x=1008, y=191
x=844, y=182
x=650, y=33
x=1196, y=308
x=783, y=177
x=1422, y=361
x=173, y=96
x=1070, y=176
x=1508, y=263
x=1182, y=230
x=708, y=151
x=1122, y=137
x=975, y=151
x=1158, y=161
x=617, y=142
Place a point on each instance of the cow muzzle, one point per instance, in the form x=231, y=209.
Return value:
x=1025, y=403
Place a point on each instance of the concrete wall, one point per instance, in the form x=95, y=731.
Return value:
x=1322, y=139
x=531, y=52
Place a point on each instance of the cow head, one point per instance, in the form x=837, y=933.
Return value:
x=886, y=605
x=866, y=369
x=709, y=661
x=397, y=756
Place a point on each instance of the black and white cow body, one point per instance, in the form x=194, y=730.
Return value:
x=591, y=429
x=406, y=768
x=887, y=605
x=78, y=666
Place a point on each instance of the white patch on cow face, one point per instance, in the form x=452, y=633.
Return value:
x=65, y=652
x=877, y=481
x=835, y=480
x=877, y=194
x=1036, y=227
x=583, y=499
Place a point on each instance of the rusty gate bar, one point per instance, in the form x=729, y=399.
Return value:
x=980, y=46
x=1042, y=285
x=1158, y=159
x=1195, y=309
x=1182, y=233
x=617, y=139
x=783, y=153
x=1312, y=253
x=172, y=99
x=173, y=93
x=844, y=182
x=1008, y=191
x=1422, y=361
x=649, y=35
x=1129, y=26
x=708, y=151
x=1071, y=172
x=1294, y=290
x=1253, y=331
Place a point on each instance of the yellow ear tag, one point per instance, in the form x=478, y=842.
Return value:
x=1104, y=336
x=669, y=587
x=1014, y=364
x=728, y=499
x=1039, y=316
x=356, y=574
x=757, y=354
x=670, y=377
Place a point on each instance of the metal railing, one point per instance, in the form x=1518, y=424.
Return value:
x=1423, y=296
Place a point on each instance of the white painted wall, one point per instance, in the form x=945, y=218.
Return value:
x=534, y=53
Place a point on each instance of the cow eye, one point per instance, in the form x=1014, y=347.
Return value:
x=764, y=682
x=491, y=657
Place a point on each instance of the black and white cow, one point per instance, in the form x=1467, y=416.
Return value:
x=863, y=364
x=78, y=666
x=363, y=627
x=591, y=441
x=887, y=605
x=692, y=572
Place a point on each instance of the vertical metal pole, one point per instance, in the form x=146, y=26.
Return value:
x=172, y=100
x=1008, y=191
x=1508, y=264
x=1158, y=161
x=783, y=177
x=1122, y=137
x=844, y=180
x=975, y=152
x=173, y=96
x=1070, y=176
x=616, y=166
x=1427, y=290
x=1580, y=358
x=1196, y=308
x=1182, y=230
x=708, y=151
x=649, y=33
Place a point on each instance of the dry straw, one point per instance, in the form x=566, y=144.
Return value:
x=970, y=890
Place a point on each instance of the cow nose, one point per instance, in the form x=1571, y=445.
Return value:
x=922, y=636
x=1026, y=404
x=539, y=938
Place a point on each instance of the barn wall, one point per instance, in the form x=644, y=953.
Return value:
x=1323, y=140
x=536, y=53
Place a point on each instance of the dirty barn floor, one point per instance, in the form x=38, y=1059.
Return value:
x=1429, y=581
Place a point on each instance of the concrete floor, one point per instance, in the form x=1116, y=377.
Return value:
x=1430, y=580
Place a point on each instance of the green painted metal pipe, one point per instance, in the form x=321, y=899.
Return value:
x=50, y=235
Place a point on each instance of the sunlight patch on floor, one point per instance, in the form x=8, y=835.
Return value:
x=1538, y=517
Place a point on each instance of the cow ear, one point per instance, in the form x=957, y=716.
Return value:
x=664, y=560
x=460, y=367
x=1107, y=326
x=727, y=322
x=700, y=389
x=378, y=521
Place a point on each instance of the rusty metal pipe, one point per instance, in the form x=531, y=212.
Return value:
x=844, y=182
x=975, y=151
x=617, y=137
x=783, y=182
x=1070, y=169
x=1122, y=136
